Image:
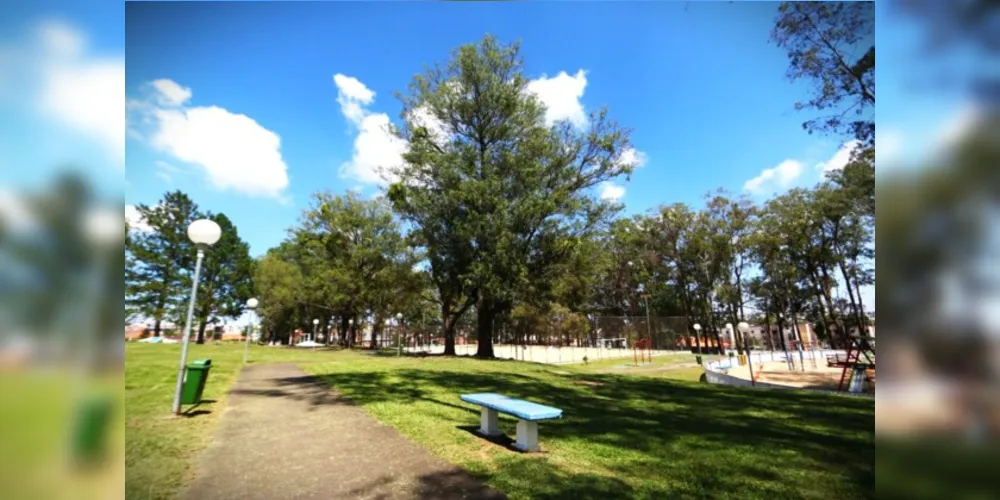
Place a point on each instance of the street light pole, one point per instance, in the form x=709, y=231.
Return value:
x=315, y=325
x=252, y=305
x=203, y=233
x=399, y=343
x=744, y=327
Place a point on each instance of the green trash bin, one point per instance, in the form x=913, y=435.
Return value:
x=92, y=422
x=697, y=359
x=194, y=381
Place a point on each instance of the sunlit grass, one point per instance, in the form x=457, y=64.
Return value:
x=658, y=434
x=624, y=436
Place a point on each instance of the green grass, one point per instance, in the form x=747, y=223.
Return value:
x=159, y=449
x=623, y=436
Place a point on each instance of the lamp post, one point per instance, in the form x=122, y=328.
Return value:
x=388, y=326
x=203, y=233
x=697, y=340
x=399, y=343
x=350, y=333
x=315, y=326
x=252, y=305
x=744, y=328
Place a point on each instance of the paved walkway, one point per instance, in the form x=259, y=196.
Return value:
x=285, y=435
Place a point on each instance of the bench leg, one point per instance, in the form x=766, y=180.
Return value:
x=490, y=423
x=527, y=436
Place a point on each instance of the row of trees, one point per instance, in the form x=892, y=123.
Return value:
x=347, y=263
x=160, y=260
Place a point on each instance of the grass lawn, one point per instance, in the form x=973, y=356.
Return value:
x=623, y=436
x=160, y=449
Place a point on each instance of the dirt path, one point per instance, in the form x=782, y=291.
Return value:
x=285, y=435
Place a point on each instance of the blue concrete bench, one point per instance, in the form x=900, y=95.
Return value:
x=529, y=414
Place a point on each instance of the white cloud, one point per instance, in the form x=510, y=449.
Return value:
x=773, y=178
x=353, y=96
x=787, y=172
x=440, y=133
x=170, y=93
x=135, y=220
x=561, y=96
x=235, y=151
x=839, y=159
x=376, y=152
x=634, y=157
x=611, y=191
x=82, y=91
x=376, y=149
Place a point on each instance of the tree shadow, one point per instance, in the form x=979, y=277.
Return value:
x=304, y=388
x=654, y=417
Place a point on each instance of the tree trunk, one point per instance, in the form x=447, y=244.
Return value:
x=156, y=327
x=841, y=328
x=781, y=331
x=201, y=332
x=861, y=305
x=485, y=314
x=767, y=324
x=850, y=294
x=376, y=330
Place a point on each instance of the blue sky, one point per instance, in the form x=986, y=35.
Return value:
x=700, y=85
x=247, y=117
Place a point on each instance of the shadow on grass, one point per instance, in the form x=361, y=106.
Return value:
x=650, y=415
x=638, y=427
x=502, y=440
x=452, y=484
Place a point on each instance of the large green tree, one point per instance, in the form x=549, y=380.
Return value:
x=832, y=46
x=226, y=280
x=516, y=190
x=161, y=258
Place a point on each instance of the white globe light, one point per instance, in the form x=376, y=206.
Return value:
x=350, y=322
x=697, y=326
x=315, y=321
x=204, y=232
x=399, y=316
x=252, y=303
x=743, y=327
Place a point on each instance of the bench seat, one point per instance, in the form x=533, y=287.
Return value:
x=528, y=413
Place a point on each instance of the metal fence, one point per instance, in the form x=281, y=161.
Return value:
x=664, y=332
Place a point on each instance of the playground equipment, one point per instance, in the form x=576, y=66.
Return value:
x=859, y=363
x=641, y=350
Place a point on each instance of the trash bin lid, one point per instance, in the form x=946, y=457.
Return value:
x=200, y=363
